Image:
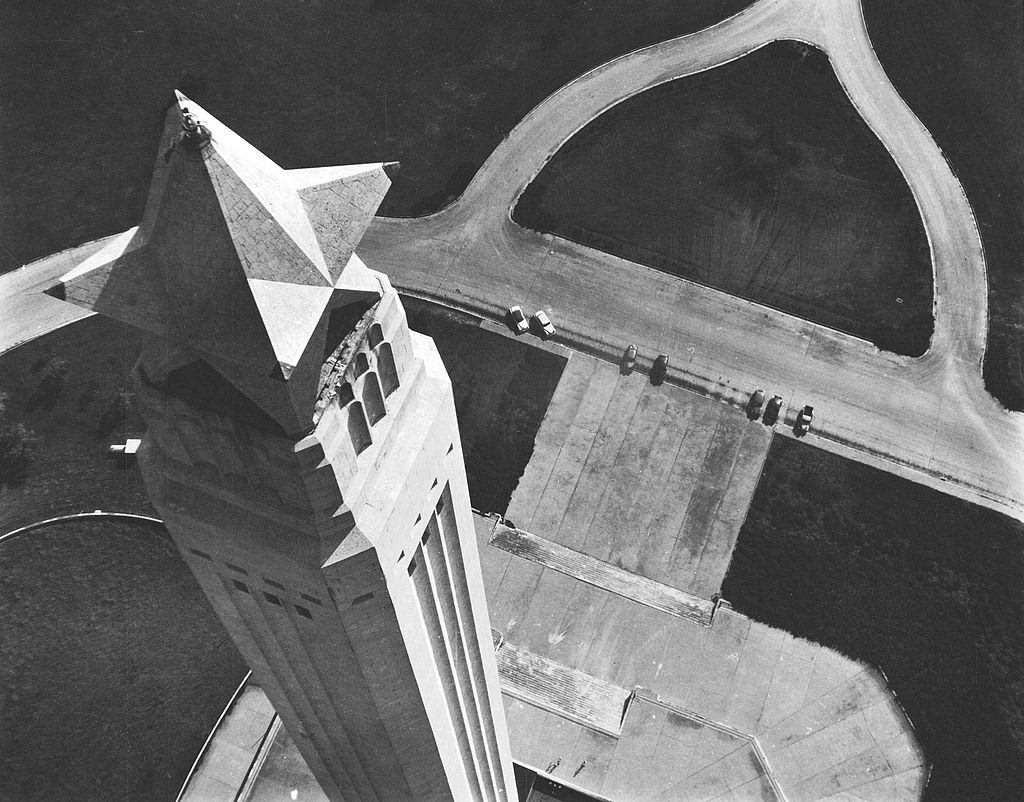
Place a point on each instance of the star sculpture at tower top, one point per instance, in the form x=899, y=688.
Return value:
x=236, y=260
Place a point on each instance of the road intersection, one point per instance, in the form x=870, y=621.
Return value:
x=928, y=418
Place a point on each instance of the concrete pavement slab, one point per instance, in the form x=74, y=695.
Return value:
x=662, y=540
x=654, y=479
x=561, y=411
x=508, y=607
x=545, y=624
x=584, y=503
x=680, y=663
x=649, y=491
x=831, y=669
x=613, y=521
x=575, y=446
x=283, y=773
x=787, y=688
x=845, y=776
x=711, y=693
x=655, y=487
x=589, y=759
x=754, y=670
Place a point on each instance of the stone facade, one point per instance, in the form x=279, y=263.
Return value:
x=303, y=451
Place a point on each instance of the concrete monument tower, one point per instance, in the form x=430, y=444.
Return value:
x=303, y=451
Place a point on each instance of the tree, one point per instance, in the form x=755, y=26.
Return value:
x=54, y=373
x=17, y=444
x=120, y=405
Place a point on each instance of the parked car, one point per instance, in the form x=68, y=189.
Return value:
x=544, y=324
x=517, y=320
x=803, y=421
x=771, y=411
x=660, y=369
x=629, y=359
x=755, y=404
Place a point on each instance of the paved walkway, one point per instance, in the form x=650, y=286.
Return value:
x=654, y=480
x=929, y=418
x=231, y=757
x=735, y=711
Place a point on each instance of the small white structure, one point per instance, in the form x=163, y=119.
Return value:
x=128, y=448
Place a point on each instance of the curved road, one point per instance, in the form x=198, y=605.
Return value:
x=928, y=417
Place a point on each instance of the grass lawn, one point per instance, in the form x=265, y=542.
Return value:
x=502, y=390
x=960, y=66
x=113, y=666
x=435, y=85
x=925, y=586
x=75, y=420
x=758, y=178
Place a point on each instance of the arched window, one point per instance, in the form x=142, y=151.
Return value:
x=386, y=366
x=372, y=398
x=376, y=335
x=362, y=364
x=345, y=394
x=357, y=428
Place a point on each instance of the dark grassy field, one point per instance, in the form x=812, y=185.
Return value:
x=113, y=667
x=960, y=66
x=927, y=587
x=435, y=85
x=758, y=178
x=75, y=420
x=502, y=391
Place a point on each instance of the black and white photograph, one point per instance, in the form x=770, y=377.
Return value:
x=512, y=401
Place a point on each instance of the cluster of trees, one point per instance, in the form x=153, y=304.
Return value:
x=17, y=443
x=118, y=411
x=53, y=373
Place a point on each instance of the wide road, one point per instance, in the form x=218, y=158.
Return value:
x=928, y=417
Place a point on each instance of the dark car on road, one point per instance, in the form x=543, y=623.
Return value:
x=755, y=404
x=803, y=421
x=771, y=411
x=660, y=369
x=629, y=359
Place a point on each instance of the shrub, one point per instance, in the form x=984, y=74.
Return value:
x=51, y=381
x=17, y=444
x=120, y=405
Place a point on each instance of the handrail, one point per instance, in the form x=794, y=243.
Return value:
x=76, y=516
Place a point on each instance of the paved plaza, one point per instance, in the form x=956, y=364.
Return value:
x=658, y=707
x=654, y=480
